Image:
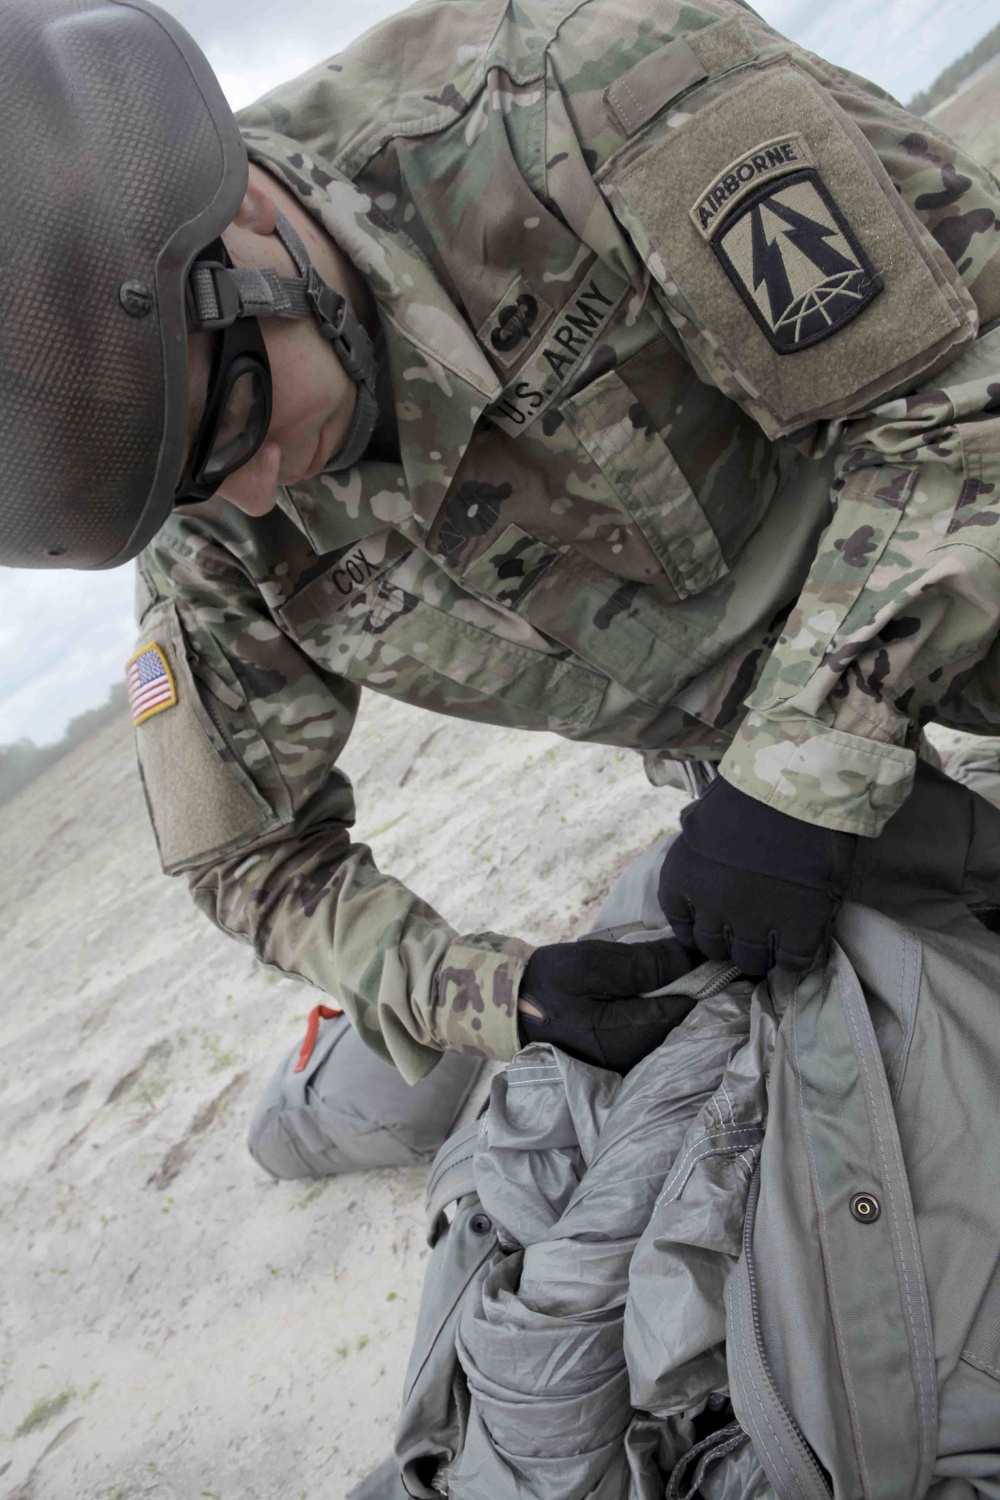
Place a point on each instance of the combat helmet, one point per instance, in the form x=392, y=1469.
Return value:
x=122, y=164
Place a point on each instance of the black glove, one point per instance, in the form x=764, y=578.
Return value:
x=752, y=884
x=589, y=994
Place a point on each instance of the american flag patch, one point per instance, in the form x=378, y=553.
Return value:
x=150, y=683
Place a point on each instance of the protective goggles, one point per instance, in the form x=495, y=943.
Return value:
x=237, y=411
x=228, y=301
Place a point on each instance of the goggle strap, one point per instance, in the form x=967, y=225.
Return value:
x=351, y=342
x=292, y=241
x=223, y=293
x=359, y=433
x=265, y=294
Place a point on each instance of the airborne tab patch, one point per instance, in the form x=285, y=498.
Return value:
x=150, y=683
x=775, y=158
x=796, y=262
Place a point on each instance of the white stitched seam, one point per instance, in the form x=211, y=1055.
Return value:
x=904, y=1020
x=980, y=1364
x=450, y=1165
x=533, y=1068
x=852, y=1404
x=713, y=1150
x=908, y=965
x=723, y=1146
x=638, y=117
x=917, y=1330
x=892, y=1200
x=722, y=1089
x=550, y=1071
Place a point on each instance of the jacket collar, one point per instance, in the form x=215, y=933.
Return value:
x=441, y=379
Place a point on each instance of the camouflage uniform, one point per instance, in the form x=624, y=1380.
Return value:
x=699, y=455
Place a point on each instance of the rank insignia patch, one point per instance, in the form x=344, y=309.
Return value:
x=150, y=683
x=795, y=261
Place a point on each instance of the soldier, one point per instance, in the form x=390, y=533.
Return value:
x=617, y=370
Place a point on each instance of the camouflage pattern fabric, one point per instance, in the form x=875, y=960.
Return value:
x=698, y=456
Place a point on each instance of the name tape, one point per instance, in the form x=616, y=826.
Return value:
x=573, y=336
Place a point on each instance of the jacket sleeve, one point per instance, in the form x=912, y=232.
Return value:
x=897, y=622
x=246, y=799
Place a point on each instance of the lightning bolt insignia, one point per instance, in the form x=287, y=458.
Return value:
x=796, y=262
x=769, y=266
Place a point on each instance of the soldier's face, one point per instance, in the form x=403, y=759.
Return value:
x=312, y=398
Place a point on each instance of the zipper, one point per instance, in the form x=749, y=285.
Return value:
x=718, y=984
x=805, y=1453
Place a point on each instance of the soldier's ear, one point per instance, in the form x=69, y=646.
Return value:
x=258, y=211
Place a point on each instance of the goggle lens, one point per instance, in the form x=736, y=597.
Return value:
x=242, y=424
x=237, y=410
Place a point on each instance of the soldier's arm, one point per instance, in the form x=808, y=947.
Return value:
x=246, y=799
x=864, y=661
x=774, y=169
x=902, y=606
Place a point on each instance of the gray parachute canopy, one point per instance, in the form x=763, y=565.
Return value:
x=120, y=160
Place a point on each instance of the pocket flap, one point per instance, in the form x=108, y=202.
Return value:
x=610, y=423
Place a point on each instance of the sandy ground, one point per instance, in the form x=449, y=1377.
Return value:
x=174, y=1323
x=970, y=115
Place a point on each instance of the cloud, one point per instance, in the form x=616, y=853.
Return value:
x=64, y=639
x=256, y=45
x=901, y=44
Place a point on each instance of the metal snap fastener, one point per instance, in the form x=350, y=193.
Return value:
x=866, y=1208
x=481, y=1224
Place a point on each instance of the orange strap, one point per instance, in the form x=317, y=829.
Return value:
x=318, y=1012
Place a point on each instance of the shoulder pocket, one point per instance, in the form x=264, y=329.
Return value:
x=798, y=278
x=201, y=800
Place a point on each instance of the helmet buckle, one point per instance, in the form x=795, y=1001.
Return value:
x=329, y=307
x=214, y=299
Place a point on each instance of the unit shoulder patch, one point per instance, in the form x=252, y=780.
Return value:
x=150, y=683
x=795, y=261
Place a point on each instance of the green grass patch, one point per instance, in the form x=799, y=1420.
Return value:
x=386, y=826
x=45, y=1410
x=219, y=1059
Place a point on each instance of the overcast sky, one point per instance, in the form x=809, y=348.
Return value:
x=64, y=636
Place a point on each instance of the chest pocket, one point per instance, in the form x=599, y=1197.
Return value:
x=442, y=661
x=410, y=631
x=611, y=424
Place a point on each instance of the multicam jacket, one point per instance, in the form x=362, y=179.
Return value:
x=699, y=454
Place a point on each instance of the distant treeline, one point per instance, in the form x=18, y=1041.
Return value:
x=953, y=76
x=24, y=760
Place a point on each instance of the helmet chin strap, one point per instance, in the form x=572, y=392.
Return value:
x=224, y=293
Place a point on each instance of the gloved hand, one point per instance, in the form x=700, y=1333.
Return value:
x=591, y=999
x=746, y=882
